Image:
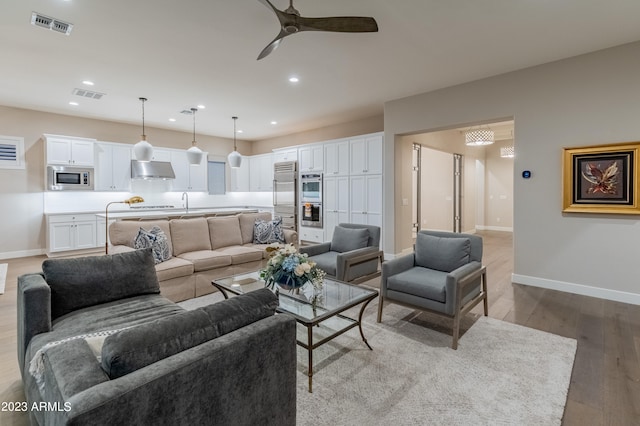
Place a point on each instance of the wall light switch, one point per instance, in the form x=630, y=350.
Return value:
x=405, y=201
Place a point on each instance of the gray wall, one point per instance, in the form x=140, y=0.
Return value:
x=587, y=100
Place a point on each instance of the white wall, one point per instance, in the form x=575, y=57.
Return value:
x=587, y=100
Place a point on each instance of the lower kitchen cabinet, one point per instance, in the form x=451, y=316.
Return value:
x=71, y=232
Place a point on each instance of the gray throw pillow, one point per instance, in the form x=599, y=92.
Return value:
x=268, y=231
x=131, y=349
x=87, y=281
x=442, y=254
x=155, y=239
x=348, y=239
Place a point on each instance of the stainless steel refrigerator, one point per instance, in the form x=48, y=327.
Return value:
x=285, y=193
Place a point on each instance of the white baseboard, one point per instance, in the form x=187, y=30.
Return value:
x=21, y=253
x=494, y=228
x=600, y=293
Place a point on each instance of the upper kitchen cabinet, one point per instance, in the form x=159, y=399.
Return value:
x=311, y=158
x=366, y=155
x=113, y=167
x=336, y=158
x=287, y=154
x=239, y=177
x=69, y=150
x=188, y=177
x=261, y=172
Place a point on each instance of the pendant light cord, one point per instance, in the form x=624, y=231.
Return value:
x=143, y=100
x=193, y=112
x=234, y=133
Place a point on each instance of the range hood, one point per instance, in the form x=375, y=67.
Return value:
x=151, y=170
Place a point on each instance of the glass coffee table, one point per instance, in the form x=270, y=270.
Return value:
x=324, y=311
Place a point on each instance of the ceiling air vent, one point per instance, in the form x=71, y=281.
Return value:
x=50, y=23
x=88, y=94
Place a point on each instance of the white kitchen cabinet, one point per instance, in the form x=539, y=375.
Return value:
x=366, y=199
x=261, y=173
x=290, y=154
x=336, y=203
x=239, y=177
x=113, y=167
x=71, y=232
x=366, y=155
x=336, y=158
x=69, y=150
x=311, y=158
x=188, y=177
x=312, y=235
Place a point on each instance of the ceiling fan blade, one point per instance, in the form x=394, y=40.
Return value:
x=343, y=24
x=282, y=16
x=273, y=45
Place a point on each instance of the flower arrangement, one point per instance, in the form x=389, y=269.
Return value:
x=290, y=268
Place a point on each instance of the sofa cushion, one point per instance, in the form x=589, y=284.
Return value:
x=204, y=260
x=232, y=314
x=137, y=347
x=247, y=221
x=134, y=348
x=123, y=232
x=157, y=240
x=268, y=231
x=421, y=282
x=86, y=281
x=224, y=231
x=348, y=239
x=174, y=268
x=442, y=254
x=327, y=262
x=242, y=254
x=189, y=235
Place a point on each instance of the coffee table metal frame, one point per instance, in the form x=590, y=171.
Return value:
x=243, y=283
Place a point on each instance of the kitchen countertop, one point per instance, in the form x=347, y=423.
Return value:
x=171, y=212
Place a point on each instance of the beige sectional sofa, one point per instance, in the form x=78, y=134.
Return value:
x=202, y=249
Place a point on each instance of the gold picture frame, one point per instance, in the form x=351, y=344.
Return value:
x=601, y=179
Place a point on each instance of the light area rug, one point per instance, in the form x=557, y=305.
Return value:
x=3, y=276
x=501, y=374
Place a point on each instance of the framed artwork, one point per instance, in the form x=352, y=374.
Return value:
x=601, y=179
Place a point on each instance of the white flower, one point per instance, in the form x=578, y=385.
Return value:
x=299, y=271
x=305, y=267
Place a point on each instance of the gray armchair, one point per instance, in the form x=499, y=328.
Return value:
x=443, y=276
x=353, y=255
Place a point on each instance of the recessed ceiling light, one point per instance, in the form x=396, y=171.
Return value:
x=201, y=106
x=274, y=122
x=172, y=119
x=74, y=103
x=239, y=131
x=294, y=79
x=88, y=83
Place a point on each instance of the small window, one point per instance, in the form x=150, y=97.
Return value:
x=11, y=152
x=217, y=183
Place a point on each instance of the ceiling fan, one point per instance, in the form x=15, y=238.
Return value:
x=291, y=22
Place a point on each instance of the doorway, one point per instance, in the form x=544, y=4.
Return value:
x=462, y=188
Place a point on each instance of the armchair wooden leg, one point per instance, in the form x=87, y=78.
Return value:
x=380, y=301
x=484, y=290
x=456, y=331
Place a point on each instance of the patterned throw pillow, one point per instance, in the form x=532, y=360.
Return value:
x=157, y=240
x=268, y=231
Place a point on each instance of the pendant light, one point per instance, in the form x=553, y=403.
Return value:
x=143, y=149
x=235, y=159
x=479, y=137
x=194, y=154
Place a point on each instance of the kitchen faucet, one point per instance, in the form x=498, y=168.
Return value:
x=184, y=194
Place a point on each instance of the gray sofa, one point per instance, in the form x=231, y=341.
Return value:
x=201, y=249
x=233, y=362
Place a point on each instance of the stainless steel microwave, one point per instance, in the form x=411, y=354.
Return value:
x=66, y=178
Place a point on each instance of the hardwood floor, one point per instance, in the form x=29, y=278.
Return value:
x=605, y=384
